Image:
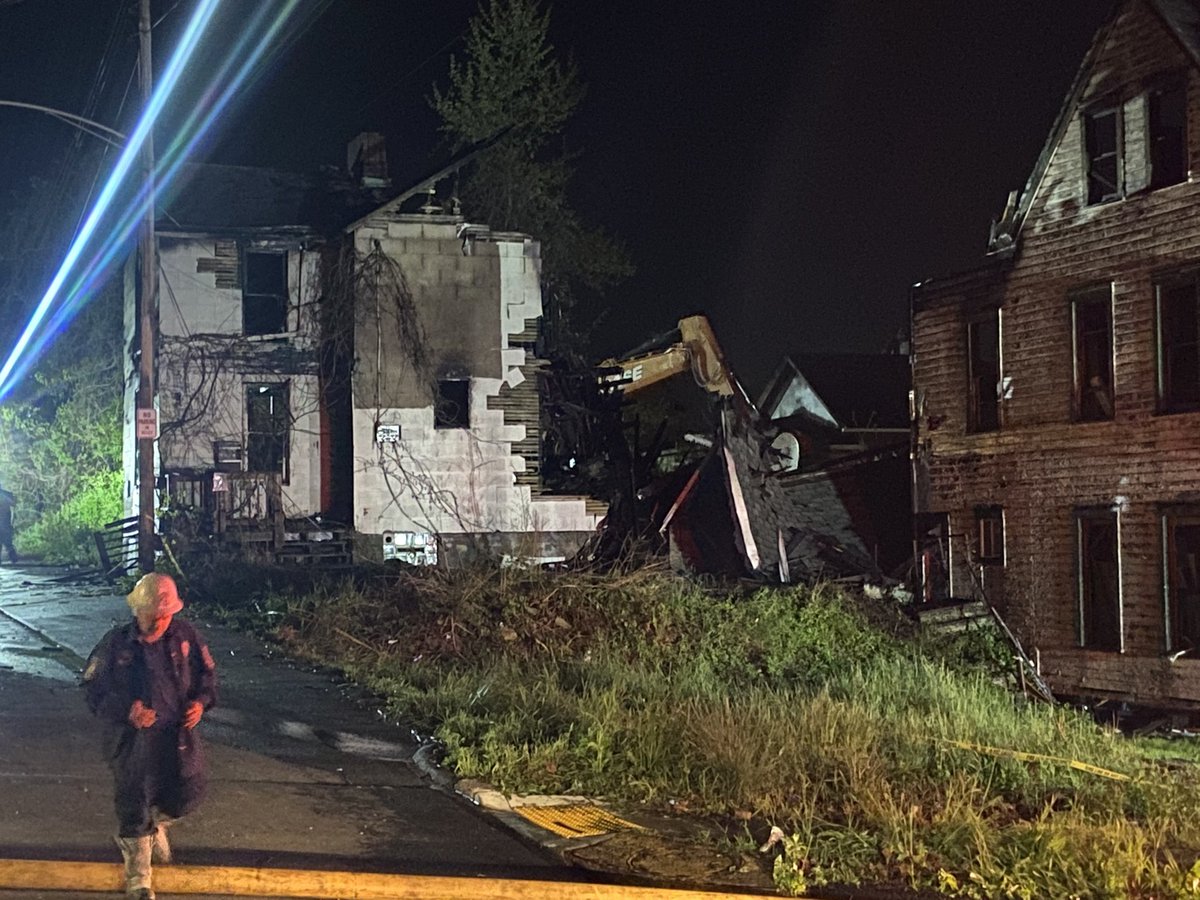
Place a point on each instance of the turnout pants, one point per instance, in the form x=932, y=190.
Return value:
x=159, y=773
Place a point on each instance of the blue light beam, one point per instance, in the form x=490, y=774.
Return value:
x=158, y=99
x=198, y=123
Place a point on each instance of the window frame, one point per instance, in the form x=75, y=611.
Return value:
x=1092, y=114
x=1158, y=88
x=1168, y=400
x=990, y=547
x=283, y=390
x=1172, y=518
x=1080, y=398
x=262, y=300
x=1084, y=519
x=975, y=390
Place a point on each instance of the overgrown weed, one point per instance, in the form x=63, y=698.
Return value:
x=799, y=706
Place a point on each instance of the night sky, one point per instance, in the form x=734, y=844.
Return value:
x=787, y=168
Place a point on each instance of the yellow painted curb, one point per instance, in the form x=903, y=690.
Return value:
x=29, y=874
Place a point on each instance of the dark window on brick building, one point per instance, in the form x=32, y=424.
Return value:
x=264, y=293
x=1092, y=317
x=983, y=348
x=1099, y=579
x=1168, y=134
x=1182, y=542
x=1178, y=345
x=268, y=422
x=451, y=408
x=1102, y=143
x=989, y=540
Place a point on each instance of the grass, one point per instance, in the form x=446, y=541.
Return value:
x=800, y=707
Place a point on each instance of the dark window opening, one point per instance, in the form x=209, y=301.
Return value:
x=1099, y=580
x=983, y=339
x=1168, y=135
x=1183, y=582
x=452, y=409
x=268, y=423
x=989, y=526
x=264, y=293
x=1178, y=346
x=1102, y=139
x=1093, y=356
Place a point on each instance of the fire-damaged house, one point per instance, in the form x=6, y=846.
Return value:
x=332, y=363
x=1057, y=385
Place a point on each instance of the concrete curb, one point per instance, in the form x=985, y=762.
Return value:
x=22, y=874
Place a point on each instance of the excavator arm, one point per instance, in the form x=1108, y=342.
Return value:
x=696, y=351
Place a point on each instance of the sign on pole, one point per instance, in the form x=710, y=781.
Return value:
x=147, y=423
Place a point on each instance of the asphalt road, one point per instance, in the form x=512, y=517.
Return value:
x=305, y=772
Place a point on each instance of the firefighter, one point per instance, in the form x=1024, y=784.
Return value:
x=7, y=502
x=150, y=681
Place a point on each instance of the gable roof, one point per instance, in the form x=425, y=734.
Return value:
x=1182, y=18
x=859, y=390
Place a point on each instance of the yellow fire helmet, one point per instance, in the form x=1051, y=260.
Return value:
x=155, y=593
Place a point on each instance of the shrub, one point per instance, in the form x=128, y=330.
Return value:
x=65, y=534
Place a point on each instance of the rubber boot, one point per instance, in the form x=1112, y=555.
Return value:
x=162, y=846
x=136, y=852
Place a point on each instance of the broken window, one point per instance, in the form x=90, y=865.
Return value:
x=1102, y=142
x=268, y=422
x=1181, y=533
x=1099, y=579
x=1168, y=134
x=983, y=346
x=451, y=408
x=1178, y=344
x=989, y=527
x=264, y=293
x=1092, y=316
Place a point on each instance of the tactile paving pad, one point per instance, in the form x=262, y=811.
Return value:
x=575, y=821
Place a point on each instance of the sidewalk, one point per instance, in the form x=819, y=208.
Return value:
x=305, y=772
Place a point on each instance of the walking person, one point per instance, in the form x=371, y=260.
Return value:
x=150, y=682
x=7, y=502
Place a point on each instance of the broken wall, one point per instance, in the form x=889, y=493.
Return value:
x=476, y=298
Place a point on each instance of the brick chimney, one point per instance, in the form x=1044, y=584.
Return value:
x=366, y=160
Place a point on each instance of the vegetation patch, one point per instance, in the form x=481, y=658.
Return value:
x=878, y=753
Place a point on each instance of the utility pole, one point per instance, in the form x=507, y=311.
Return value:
x=146, y=422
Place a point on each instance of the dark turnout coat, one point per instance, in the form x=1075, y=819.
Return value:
x=162, y=766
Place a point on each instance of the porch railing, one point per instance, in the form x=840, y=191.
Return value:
x=247, y=505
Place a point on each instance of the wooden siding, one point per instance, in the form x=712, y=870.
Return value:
x=1041, y=465
x=522, y=405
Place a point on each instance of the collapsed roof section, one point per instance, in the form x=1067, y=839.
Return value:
x=733, y=511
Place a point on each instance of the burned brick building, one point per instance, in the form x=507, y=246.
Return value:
x=1056, y=387
x=332, y=360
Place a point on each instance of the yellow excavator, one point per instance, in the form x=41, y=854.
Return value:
x=696, y=350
